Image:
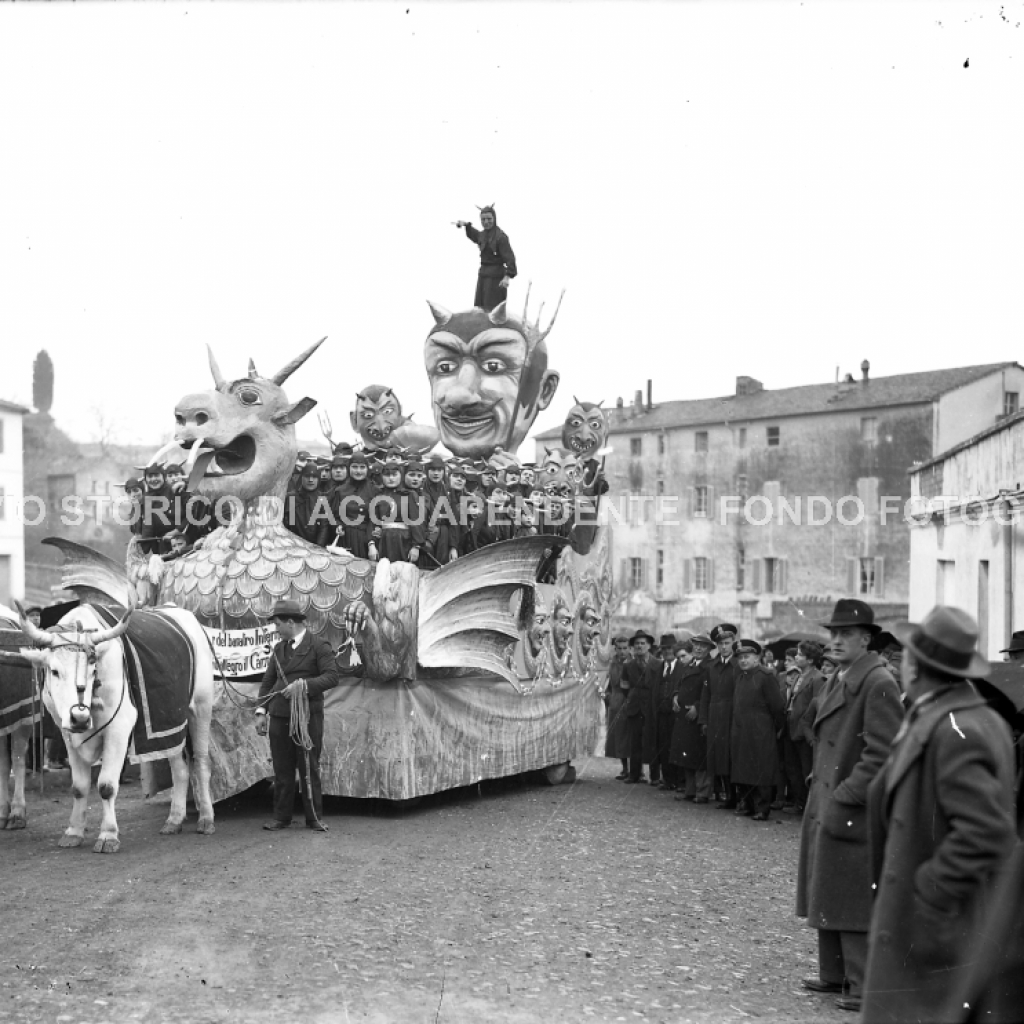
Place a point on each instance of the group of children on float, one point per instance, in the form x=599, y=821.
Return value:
x=390, y=504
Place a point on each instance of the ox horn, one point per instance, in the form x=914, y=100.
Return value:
x=499, y=314
x=39, y=637
x=115, y=631
x=441, y=315
x=218, y=378
x=286, y=371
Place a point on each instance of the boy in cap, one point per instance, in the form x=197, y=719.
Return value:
x=942, y=819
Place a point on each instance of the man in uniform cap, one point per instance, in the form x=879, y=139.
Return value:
x=942, y=819
x=642, y=675
x=857, y=718
x=300, y=661
x=716, y=714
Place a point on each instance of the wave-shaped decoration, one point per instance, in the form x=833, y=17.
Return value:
x=278, y=585
x=324, y=597
x=262, y=569
x=86, y=568
x=306, y=581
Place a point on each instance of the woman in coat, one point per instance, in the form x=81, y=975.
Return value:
x=758, y=713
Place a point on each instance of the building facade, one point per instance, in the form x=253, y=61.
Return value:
x=966, y=547
x=765, y=506
x=12, y=489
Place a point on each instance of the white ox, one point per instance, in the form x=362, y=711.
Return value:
x=86, y=692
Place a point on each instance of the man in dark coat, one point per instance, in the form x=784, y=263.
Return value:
x=497, y=260
x=664, y=716
x=616, y=743
x=857, y=719
x=758, y=713
x=689, y=748
x=642, y=675
x=300, y=661
x=942, y=827
x=716, y=713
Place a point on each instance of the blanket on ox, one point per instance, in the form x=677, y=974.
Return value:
x=19, y=701
x=160, y=665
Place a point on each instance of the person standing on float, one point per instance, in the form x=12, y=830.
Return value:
x=497, y=260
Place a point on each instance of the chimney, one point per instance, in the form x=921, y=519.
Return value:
x=748, y=386
x=848, y=379
x=618, y=402
x=864, y=368
x=650, y=394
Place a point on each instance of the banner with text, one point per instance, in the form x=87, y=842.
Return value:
x=242, y=652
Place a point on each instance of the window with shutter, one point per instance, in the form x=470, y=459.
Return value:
x=711, y=574
x=756, y=572
x=880, y=577
x=781, y=576
x=700, y=501
x=700, y=574
x=687, y=575
x=851, y=575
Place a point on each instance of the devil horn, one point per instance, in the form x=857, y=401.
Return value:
x=39, y=637
x=288, y=369
x=499, y=314
x=253, y=372
x=441, y=315
x=526, y=304
x=218, y=378
x=576, y=400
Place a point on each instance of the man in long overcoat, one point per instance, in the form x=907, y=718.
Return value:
x=642, y=675
x=689, y=748
x=942, y=826
x=664, y=716
x=758, y=713
x=616, y=743
x=716, y=713
x=858, y=716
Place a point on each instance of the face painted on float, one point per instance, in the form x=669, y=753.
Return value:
x=377, y=413
x=590, y=628
x=562, y=629
x=585, y=430
x=488, y=379
x=540, y=630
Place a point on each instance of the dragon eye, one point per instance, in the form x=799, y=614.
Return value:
x=494, y=366
x=249, y=396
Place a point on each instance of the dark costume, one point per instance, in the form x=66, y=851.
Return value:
x=797, y=752
x=758, y=713
x=689, y=750
x=941, y=828
x=351, y=509
x=313, y=660
x=858, y=716
x=308, y=517
x=497, y=260
x=716, y=715
x=402, y=523
x=156, y=519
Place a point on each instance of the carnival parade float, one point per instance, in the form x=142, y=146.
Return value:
x=454, y=671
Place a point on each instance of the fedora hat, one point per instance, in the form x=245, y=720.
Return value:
x=1016, y=643
x=667, y=640
x=641, y=635
x=947, y=640
x=287, y=610
x=851, y=612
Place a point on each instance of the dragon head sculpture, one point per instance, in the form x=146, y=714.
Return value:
x=240, y=436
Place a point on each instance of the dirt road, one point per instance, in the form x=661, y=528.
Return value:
x=595, y=901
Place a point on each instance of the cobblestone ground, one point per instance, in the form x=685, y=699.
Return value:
x=512, y=902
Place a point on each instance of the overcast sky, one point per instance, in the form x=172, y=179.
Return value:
x=771, y=189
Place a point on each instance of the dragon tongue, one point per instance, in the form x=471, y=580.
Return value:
x=201, y=461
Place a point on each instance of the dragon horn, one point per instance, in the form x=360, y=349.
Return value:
x=218, y=378
x=499, y=314
x=288, y=369
x=253, y=372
